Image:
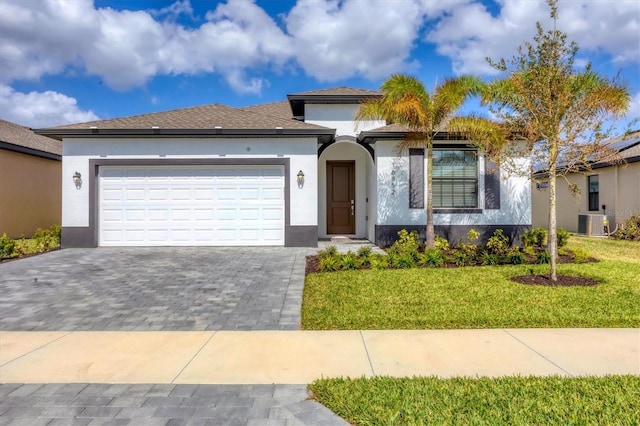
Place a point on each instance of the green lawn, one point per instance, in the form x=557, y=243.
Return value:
x=484, y=401
x=479, y=297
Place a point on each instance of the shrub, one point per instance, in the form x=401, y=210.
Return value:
x=461, y=257
x=580, y=255
x=330, y=251
x=441, y=243
x=432, y=257
x=498, y=243
x=402, y=260
x=543, y=257
x=406, y=244
x=515, y=257
x=348, y=261
x=472, y=236
x=46, y=239
x=536, y=237
x=563, y=237
x=7, y=247
x=364, y=251
x=380, y=261
x=328, y=264
x=489, y=258
x=630, y=229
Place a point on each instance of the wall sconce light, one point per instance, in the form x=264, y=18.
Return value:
x=77, y=179
x=300, y=177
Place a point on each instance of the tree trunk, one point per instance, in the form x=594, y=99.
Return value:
x=553, y=235
x=431, y=235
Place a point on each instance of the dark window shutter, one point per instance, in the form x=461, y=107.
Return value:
x=416, y=178
x=491, y=185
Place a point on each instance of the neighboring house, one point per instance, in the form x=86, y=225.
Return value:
x=611, y=190
x=30, y=180
x=284, y=173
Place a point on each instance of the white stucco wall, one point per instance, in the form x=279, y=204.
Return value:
x=393, y=195
x=339, y=117
x=302, y=153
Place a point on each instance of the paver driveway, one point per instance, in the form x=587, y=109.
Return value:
x=159, y=288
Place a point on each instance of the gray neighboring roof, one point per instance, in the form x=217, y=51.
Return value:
x=620, y=144
x=18, y=138
x=625, y=142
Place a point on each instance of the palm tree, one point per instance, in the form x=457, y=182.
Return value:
x=405, y=101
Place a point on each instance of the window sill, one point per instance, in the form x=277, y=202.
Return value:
x=457, y=211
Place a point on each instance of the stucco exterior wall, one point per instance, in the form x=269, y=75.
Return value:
x=339, y=117
x=30, y=193
x=393, y=195
x=301, y=152
x=619, y=193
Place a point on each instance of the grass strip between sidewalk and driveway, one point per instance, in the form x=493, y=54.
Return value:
x=494, y=401
x=478, y=297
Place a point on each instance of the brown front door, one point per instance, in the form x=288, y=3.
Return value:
x=341, y=191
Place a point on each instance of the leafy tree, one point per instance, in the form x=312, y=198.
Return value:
x=559, y=111
x=406, y=102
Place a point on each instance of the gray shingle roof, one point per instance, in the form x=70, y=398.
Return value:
x=20, y=136
x=200, y=117
x=280, y=109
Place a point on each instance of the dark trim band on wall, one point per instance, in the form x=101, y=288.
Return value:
x=387, y=234
x=88, y=237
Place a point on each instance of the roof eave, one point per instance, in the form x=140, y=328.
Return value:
x=30, y=151
x=159, y=133
x=297, y=102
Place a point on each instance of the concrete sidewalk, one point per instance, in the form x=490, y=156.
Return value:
x=296, y=357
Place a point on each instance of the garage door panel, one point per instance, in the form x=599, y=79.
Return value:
x=155, y=194
x=183, y=205
x=269, y=194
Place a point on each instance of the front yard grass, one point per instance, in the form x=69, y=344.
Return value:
x=479, y=297
x=500, y=401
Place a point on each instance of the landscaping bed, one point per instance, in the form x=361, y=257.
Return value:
x=480, y=296
x=43, y=240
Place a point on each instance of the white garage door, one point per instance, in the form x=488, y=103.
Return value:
x=191, y=206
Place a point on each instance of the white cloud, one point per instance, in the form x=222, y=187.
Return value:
x=471, y=33
x=634, y=110
x=329, y=39
x=332, y=42
x=175, y=10
x=40, y=109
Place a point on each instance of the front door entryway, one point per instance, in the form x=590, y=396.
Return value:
x=341, y=191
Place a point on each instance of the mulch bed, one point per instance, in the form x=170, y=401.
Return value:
x=563, y=280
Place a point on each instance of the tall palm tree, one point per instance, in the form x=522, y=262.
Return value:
x=405, y=101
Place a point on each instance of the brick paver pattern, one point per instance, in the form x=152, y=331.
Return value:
x=140, y=405
x=154, y=288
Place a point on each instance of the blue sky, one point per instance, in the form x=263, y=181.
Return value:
x=67, y=61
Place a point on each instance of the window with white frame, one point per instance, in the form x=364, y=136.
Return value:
x=455, y=178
